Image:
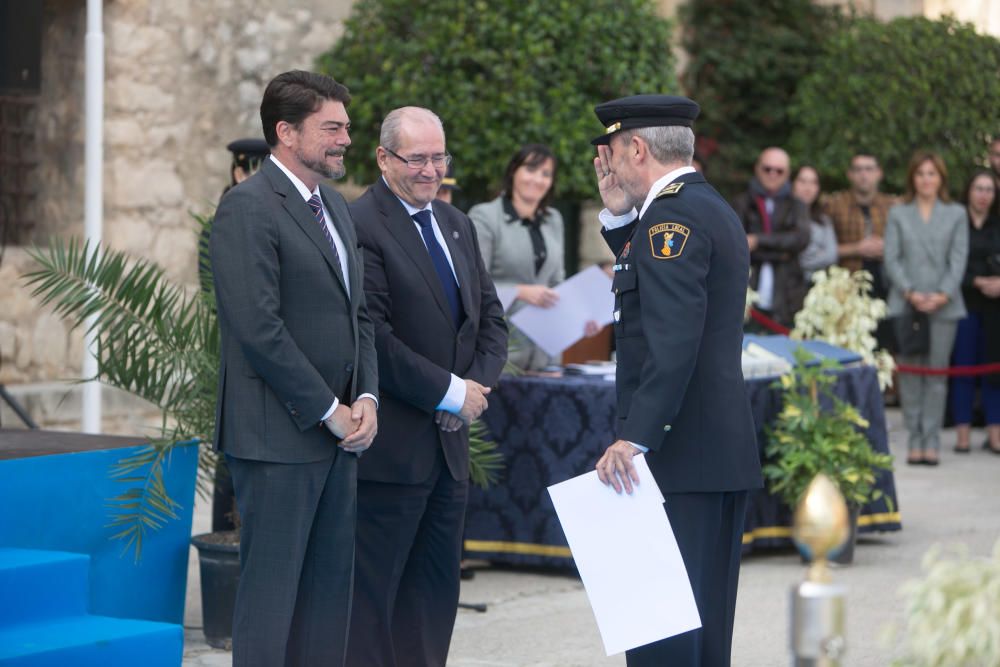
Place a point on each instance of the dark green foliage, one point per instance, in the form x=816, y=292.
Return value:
x=500, y=74
x=747, y=57
x=896, y=87
x=816, y=432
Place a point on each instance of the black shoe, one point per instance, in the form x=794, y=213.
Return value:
x=467, y=573
x=962, y=450
x=932, y=462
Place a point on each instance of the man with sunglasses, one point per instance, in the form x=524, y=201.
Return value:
x=777, y=227
x=441, y=343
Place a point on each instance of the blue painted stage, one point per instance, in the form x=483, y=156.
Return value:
x=68, y=594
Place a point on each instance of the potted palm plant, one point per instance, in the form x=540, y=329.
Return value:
x=160, y=342
x=817, y=432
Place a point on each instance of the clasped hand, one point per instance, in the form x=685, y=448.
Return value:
x=928, y=302
x=355, y=426
x=474, y=405
x=988, y=285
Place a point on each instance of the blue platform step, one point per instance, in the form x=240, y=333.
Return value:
x=44, y=620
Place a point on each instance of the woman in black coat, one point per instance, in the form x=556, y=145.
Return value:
x=978, y=337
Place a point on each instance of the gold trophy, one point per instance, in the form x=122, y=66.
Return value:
x=818, y=605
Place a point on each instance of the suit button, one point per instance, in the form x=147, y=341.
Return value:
x=666, y=428
x=349, y=368
x=295, y=413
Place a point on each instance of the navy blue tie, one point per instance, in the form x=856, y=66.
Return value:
x=441, y=265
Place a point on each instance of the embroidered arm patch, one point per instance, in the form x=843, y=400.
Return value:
x=667, y=239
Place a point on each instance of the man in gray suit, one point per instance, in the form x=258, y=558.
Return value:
x=298, y=379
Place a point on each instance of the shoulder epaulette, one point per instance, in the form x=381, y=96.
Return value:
x=669, y=191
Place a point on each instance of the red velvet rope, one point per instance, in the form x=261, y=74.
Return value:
x=769, y=324
x=953, y=371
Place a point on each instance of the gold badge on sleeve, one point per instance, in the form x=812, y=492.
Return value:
x=667, y=239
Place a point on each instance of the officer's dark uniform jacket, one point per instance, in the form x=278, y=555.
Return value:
x=680, y=287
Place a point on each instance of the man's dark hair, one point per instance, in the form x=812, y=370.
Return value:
x=530, y=155
x=864, y=152
x=292, y=96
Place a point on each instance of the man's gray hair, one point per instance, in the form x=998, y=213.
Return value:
x=667, y=144
x=391, y=124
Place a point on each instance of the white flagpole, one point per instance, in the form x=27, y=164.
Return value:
x=94, y=189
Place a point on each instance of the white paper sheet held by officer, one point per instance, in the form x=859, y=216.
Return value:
x=612, y=536
x=583, y=297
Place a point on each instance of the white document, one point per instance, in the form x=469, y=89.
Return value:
x=583, y=297
x=628, y=559
x=507, y=296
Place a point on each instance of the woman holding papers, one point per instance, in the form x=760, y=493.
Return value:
x=521, y=240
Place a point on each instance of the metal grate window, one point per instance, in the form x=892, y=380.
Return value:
x=18, y=167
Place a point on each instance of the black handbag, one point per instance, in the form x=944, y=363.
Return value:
x=913, y=332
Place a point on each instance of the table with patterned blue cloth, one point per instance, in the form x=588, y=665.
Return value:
x=551, y=429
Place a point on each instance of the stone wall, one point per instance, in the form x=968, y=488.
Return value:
x=182, y=79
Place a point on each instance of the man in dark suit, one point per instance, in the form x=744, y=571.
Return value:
x=777, y=231
x=441, y=342
x=298, y=379
x=680, y=285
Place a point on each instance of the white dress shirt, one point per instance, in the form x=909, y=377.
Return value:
x=341, y=252
x=611, y=221
x=454, y=397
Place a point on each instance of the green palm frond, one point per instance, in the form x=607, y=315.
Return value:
x=145, y=504
x=152, y=340
x=485, y=459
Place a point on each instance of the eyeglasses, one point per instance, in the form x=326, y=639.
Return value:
x=767, y=169
x=420, y=161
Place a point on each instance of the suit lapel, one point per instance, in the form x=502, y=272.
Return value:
x=404, y=230
x=300, y=213
x=452, y=237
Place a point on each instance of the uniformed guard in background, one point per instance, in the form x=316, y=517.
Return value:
x=448, y=186
x=248, y=155
x=680, y=281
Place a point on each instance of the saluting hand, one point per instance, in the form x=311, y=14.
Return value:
x=612, y=194
x=615, y=467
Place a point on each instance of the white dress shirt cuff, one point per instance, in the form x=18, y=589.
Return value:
x=454, y=398
x=329, y=413
x=612, y=221
x=371, y=396
x=642, y=449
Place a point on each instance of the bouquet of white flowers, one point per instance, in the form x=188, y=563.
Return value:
x=953, y=613
x=840, y=310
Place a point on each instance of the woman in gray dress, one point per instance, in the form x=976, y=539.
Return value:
x=521, y=239
x=926, y=246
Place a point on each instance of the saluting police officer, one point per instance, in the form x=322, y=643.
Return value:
x=680, y=282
